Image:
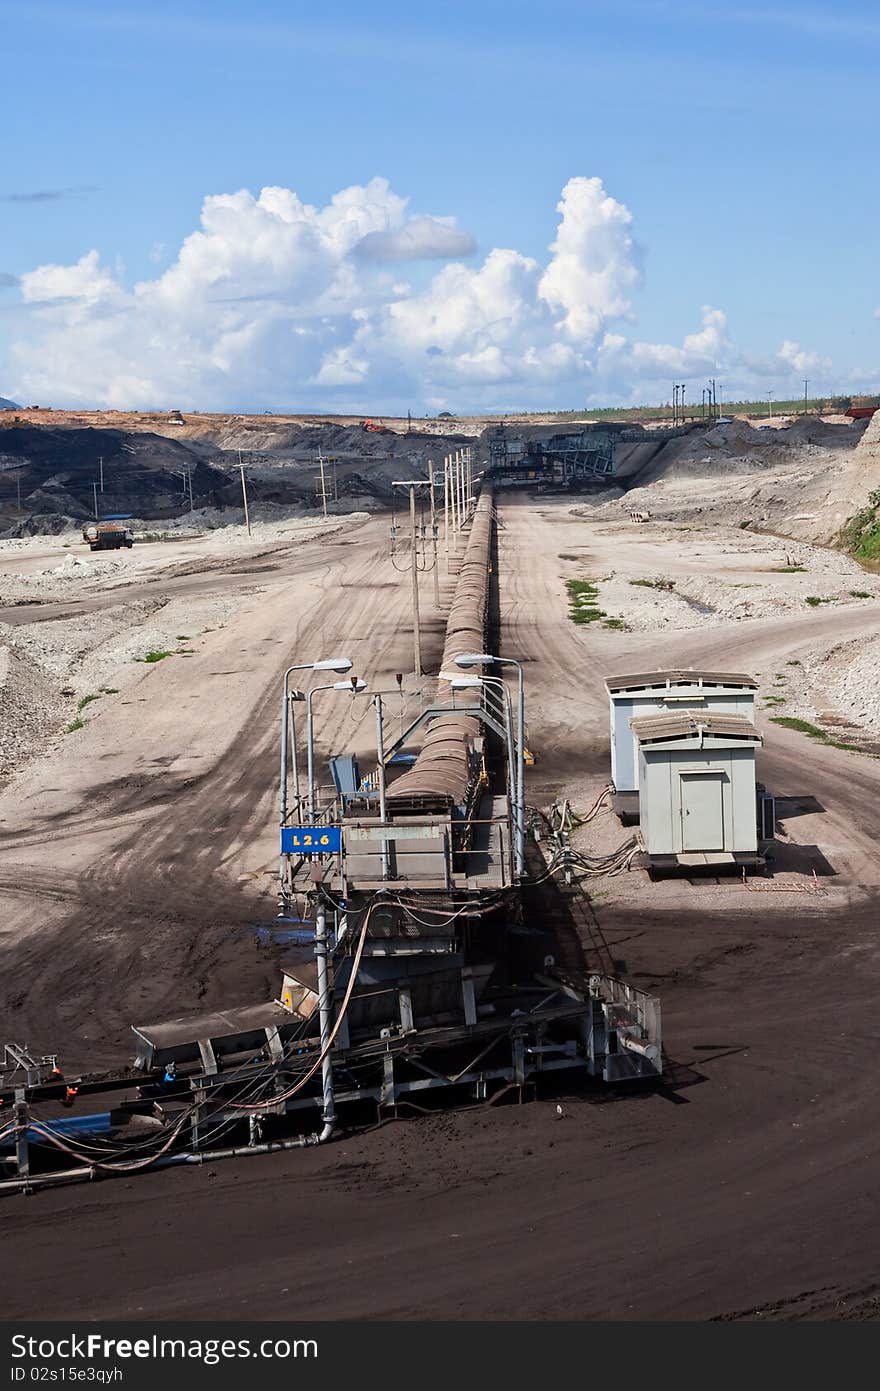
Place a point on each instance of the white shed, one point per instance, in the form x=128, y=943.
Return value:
x=650, y=693
x=697, y=796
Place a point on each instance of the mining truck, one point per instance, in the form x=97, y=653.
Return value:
x=107, y=536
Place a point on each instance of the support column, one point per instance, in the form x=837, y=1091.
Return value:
x=22, y=1154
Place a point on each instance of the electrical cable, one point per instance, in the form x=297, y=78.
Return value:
x=355, y=967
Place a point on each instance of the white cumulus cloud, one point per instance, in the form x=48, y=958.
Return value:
x=420, y=239
x=594, y=263
x=272, y=301
x=793, y=355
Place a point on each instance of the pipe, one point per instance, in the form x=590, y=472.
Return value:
x=325, y=1012
x=383, y=810
x=310, y=751
x=520, y=767
x=86, y=1174
x=288, y=725
x=645, y=1050
x=293, y=757
x=282, y=781
x=319, y=1137
x=519, y=862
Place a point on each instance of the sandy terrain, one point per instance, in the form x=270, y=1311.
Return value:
x=138, y=853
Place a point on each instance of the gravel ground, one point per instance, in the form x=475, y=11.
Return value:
x=61, y=673
x=742, y=1182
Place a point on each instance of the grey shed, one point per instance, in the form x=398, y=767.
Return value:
x=697, y=783
x=649, y=693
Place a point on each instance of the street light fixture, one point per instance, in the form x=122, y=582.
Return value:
x=288, y=731
x=460, y=683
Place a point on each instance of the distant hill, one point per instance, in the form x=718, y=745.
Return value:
x=7, y=405
x=144, y=474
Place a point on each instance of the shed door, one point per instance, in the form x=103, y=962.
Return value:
x=702, y=811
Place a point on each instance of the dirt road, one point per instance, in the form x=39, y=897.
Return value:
x=745, y=1187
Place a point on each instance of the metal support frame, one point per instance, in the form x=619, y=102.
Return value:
x=611, y=1033
x=22, y=1154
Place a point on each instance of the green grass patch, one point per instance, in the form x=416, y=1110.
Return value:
x=109, y=690
x=182, y=637
x=617, y=624
x=814, y=600
x=75, y=725
x=861, y=534
x=87, y=700
x=773, y=700
x=788, y=569
x=583, y=606
x=661, y=582
x=665, y=412
x=860, y=594
x=743, y=525
x=156, y=656
x=813, y=731
x=802, y=726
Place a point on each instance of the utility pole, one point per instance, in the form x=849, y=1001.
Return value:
x=101, y=467
x=769, y=405
x=434, y=534
x=806, y=384
x=417, y=638
x=247, y=518
x=462, y=499
x=323, y=484
x=446, y=509
x=189, y=480
x=412, y=484
x=95, y=494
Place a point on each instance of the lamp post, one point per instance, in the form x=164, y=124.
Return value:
x=475, y=659
x=354, y=686
x=338, y=664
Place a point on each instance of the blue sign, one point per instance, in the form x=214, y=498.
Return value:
x=311, y=840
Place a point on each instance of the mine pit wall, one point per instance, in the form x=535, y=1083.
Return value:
x=442, y=770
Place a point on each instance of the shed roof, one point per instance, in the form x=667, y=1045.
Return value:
x=685, y=724
x=680, y=678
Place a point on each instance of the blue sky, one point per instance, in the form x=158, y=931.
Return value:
x=742, y=142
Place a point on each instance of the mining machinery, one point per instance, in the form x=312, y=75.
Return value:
x=417, y=976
